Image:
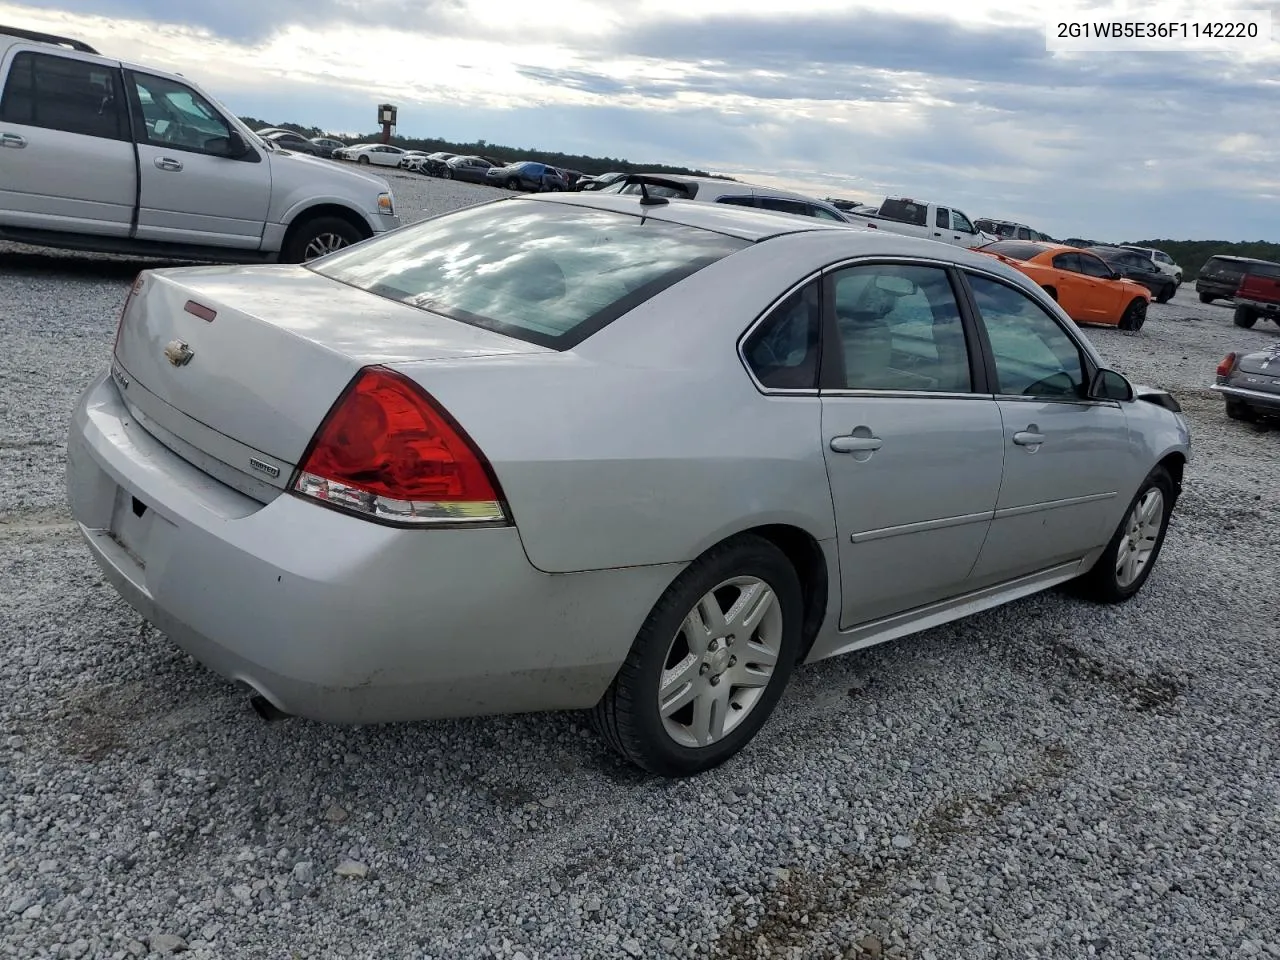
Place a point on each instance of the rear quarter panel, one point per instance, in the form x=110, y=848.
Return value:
x=648, y=443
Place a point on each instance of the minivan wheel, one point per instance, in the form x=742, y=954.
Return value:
x=1207, y=298
x=1127, y=561
x=318, y=237
x=709, y=663
x=1245, y=317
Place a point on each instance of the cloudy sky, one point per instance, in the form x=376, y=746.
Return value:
x=854, y=99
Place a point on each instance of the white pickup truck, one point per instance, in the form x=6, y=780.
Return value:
x=96, y=154
x=917, y=218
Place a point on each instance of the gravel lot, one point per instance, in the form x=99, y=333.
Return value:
x=1049, y=779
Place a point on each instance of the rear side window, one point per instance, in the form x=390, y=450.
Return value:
x=1014, y=250
x=942, y=218
x=1069, y=262
x=59, y=93
x=550, y=274
x=783, y=351
x=783, y=205
x=905, y=211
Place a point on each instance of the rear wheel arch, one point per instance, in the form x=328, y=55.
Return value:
x=810, y=563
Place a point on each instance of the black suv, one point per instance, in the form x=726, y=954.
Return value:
x=1221, y=275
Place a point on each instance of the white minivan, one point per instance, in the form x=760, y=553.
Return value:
x=98, y=154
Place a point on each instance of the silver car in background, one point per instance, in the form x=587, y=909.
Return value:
x=626, y=454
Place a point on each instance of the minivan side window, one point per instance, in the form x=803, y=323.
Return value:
x=59, y=93
x=176, y=117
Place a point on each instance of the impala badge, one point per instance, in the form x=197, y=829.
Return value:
x=178, y=353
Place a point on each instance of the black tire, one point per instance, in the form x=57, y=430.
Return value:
x=1244, y=317
x=1053, y=294
x=1135, y=315
x=1207, y=298
x=363, y=159
x=513, y=183
x=1102, y=584
x=312, y=231
x=447, y=173
x=1239, y=410
x=627, y=716
x=1166, y=293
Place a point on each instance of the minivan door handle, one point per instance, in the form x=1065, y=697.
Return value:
x=13, y=140
x=168, y=163
x=854, y=444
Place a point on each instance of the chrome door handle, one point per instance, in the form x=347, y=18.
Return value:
x=853, y=444
x=168, y=163
x=13, y=140
x=1028, y=438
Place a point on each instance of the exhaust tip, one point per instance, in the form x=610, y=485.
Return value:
x=267, y=710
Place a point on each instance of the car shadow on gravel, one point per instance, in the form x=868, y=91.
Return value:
x=71, y=265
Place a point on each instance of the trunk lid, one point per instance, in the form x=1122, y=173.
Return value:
x=240, y=395
x=1265, y=363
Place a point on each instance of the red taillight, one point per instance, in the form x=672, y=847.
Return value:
x=388, y=451
x=1227, y=365
x=133, y=290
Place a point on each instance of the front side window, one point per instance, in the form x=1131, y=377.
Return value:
x=822, y=213
x=899, y=329
x=549, y=274
x=737, y=201
x=58, y=93
x=1091, y=266
x=783, y=351
x=1034, y=356
x=961, y=223
x=176, y=117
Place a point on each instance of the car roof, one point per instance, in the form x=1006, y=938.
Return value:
x=1238, y=259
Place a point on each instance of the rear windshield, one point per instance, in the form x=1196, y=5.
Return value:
x=548, y=273
x=905, y=211
x=1013, y=249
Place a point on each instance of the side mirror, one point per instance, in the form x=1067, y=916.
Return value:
x=236, y=147
x=1109, y=385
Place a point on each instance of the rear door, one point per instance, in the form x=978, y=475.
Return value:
x=1066, y=459
x=913, y=442
x=1072, y=286
x=66, y=158
x=192, y=190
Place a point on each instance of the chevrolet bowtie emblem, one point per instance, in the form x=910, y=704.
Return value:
x=178, y=353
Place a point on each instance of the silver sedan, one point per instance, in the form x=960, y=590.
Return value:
x=627, y=454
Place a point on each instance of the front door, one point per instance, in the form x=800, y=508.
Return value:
x=192, y=191
x=66, y=161
x=913, y=447
x=1065, y=458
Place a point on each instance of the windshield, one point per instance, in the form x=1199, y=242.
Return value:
x=548, y=273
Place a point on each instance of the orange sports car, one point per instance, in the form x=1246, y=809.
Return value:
x=1082, y=283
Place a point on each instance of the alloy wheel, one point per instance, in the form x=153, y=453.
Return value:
x=720, y=661
x=1141, y=534
x=321, y=244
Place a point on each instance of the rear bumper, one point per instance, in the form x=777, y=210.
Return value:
x=1224, y=290
x=1254, y=398
x=333, y=617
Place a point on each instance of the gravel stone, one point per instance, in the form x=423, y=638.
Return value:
x=352, y=868
x=1075, y=780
